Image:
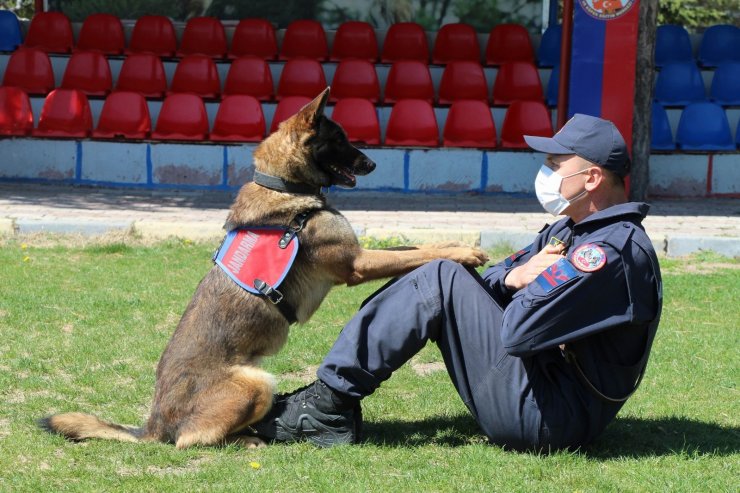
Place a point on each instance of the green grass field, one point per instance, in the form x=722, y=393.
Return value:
x=83, y=327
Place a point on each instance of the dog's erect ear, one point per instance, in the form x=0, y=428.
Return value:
x=313, y=111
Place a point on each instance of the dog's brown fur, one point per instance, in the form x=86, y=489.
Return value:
x=209, y=385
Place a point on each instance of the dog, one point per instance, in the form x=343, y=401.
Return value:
x=209, y=385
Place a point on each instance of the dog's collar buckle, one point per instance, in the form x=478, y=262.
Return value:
x=268, y=291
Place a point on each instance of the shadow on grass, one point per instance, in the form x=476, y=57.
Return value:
x=625, y=437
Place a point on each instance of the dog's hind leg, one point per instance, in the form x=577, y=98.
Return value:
x=243, y=397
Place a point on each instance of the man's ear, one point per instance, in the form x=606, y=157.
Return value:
x=313, y=111
x=595, y=178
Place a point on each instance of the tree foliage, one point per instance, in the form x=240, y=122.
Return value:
x=697, y=15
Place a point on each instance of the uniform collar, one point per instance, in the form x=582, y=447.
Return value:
x=639, y=209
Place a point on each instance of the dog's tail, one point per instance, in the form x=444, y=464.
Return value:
x=80, y=426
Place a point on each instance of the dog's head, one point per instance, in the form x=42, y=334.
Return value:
x=311, y=149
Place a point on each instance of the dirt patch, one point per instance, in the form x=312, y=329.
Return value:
x=4, y=428
x=424, y=369
x=305, y=375
x=703, y=267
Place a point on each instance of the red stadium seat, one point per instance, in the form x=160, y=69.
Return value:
x=412, y=123
x=355, y=39
x=509, y=43
x=301, y=77
x=143, y=73
x=29, y=69
x=286, y=108
x=250, y=75
x=463, y=79
x=254, y=37
x=203, y=36
x=409, y=79
x=196, y=74
x=16, y=116
x=239, y=119
x=304, y=39
x=50, y=32
x=359, y=119
x=124, y=115
x=102, y=32
x=405, y=41
x=182, y=117
x=153, y=34
x=456, y=42
x=355, y=79
x=469, y=124
x=66, y=113
x=525, y=118
x=89, y=72
x=517, y=81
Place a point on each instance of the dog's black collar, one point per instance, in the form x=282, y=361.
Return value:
x=280, y=185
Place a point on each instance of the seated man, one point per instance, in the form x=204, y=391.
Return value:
x=544, y=348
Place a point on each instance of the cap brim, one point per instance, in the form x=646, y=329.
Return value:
x=546, y=145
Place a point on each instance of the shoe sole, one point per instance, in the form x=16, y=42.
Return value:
x=312, y=430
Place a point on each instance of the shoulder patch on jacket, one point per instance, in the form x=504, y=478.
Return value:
x=588, y=257
x=555, y=275
x=509, y=261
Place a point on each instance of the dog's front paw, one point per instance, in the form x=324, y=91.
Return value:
x=468, y=256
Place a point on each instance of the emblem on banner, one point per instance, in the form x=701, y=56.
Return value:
x=606, y=9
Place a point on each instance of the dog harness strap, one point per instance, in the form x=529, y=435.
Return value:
x=280, y=185
x=276, y=298
x=293, y=228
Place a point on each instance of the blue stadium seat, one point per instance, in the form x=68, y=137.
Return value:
x=672, y=44
x=548, y=54
x=10, y=31
x=662, y=138
x=551, y=97
x=704, y=127
x=720, y=43
x=679, y=84
x=726, y=84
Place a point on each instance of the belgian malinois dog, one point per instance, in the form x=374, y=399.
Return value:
x=209, y=386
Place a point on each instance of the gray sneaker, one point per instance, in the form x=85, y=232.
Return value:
x=311, y=413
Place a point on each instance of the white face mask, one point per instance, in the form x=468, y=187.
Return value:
x=547, y=187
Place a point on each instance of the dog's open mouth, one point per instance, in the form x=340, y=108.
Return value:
x=342, y=176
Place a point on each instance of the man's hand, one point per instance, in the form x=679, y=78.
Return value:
x=522, y=275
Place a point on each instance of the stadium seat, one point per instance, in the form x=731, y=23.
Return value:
x=672, y=44
x=101, y=32
x=182, y=117
x=408, y=79
x=412, y=123
x=16, y=116
x=143, y=73
x=250, y=75
x=720, y=43
x=89, y=72
x=469, y=124
x=662, y=137
x=50, y=32
x=10, y=31
x=29, y=69
x=405, y=41
x=359, y=119
x=509, y=43
x=304, y=39
x=196, y=74
x=456, y=41
x=525, y=118
x=548, y=54
x=153, y=34
x=355, y=78
x=301, y=77
x=66, y=114
x=286, y=108
x=124, y=115
x=355, y=39
x=239, y=119
x=517, y=81
x=726, y=84
x=679, y=84
x=254, y=37
x=203, y=36
x=463, y=79
x=553, y=84
x=704, y=127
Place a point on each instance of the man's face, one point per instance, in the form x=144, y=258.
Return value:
x=566, y=165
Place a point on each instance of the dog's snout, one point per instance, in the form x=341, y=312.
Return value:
x=363, y=165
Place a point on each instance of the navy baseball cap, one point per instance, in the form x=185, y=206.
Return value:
x=594, y=139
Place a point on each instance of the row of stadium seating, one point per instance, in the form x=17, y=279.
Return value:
x=52, y=32
x=412, y=122
x=719, y=44
x=681, y=83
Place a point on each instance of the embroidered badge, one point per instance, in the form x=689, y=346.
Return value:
x=253, y=253
x=509, y=261
x=588, y=257
x=556, y=275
